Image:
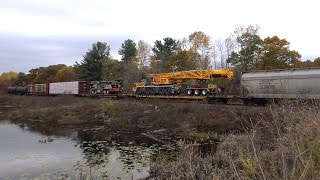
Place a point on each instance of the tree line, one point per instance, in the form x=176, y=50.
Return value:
x=243, y=50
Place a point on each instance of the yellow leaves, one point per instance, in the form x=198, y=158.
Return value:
x=248, y=164
x=7, y=78
x=65, y=74
x=199, y=39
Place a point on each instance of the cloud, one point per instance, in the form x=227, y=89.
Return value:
x=40, y=32
x=22, y=53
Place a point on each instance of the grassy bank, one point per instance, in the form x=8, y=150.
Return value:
x=210, y=141
x=194, y=120
x=283, y=146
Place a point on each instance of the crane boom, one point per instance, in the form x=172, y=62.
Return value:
x=182, y=76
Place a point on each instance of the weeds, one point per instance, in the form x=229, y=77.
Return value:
x=284, y=145
x=189, y=165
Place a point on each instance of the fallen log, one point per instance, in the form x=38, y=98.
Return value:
x=153, y=138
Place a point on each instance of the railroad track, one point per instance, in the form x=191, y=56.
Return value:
x=219, y=100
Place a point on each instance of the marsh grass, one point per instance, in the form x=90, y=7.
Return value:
x=284, y=145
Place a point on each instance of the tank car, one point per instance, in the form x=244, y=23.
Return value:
x=21, y=90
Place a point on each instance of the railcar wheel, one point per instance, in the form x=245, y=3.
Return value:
x=165, y=91
x=204, y=92
x=161, y=92
x=189, y=92
x=196, y=92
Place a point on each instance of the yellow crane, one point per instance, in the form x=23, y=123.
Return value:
x=183, y=76
x=171, y=83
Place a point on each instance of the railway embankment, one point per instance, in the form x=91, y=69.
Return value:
x=183, y=119
x=210, y=141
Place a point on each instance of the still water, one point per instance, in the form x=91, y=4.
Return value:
x=27, y=153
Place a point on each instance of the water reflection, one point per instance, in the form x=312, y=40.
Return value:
x=95, y=152
x=40, y=151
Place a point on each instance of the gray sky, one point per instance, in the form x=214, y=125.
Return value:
x=37, y=33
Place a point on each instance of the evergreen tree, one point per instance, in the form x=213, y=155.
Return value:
x=163, y=52
x=128, y=51
x=93, y=65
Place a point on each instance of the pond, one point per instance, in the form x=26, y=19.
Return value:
x=31, y=152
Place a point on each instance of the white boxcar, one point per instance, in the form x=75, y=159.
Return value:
x=74, y=87
x=293, y=83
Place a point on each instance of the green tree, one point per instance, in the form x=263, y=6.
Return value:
x=163, y=52
x=115, y=69
x=277, y=55
x=22, y=78
x=129, y=64
x=128, y=51
x=93, y=65
x=250, y=50
x=184, y=60
x=131, y=76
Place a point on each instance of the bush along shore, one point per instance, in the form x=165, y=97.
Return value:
x=209, y=141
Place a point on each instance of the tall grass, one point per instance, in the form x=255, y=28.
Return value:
x=284, y=145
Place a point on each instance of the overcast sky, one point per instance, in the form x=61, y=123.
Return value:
x=37, y=33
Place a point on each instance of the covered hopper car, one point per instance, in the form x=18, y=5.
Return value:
x=263, y=86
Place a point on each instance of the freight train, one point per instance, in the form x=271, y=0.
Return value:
x=77, y=88
x=257, y=87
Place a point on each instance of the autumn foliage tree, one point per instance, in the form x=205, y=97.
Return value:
x=52, y=73
x=244, y=50
x=65, y=74
x=8, y=79
x=250, y=50
x=201, y=48
x=143, y=55
x=277, y=55
x=316, y=61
